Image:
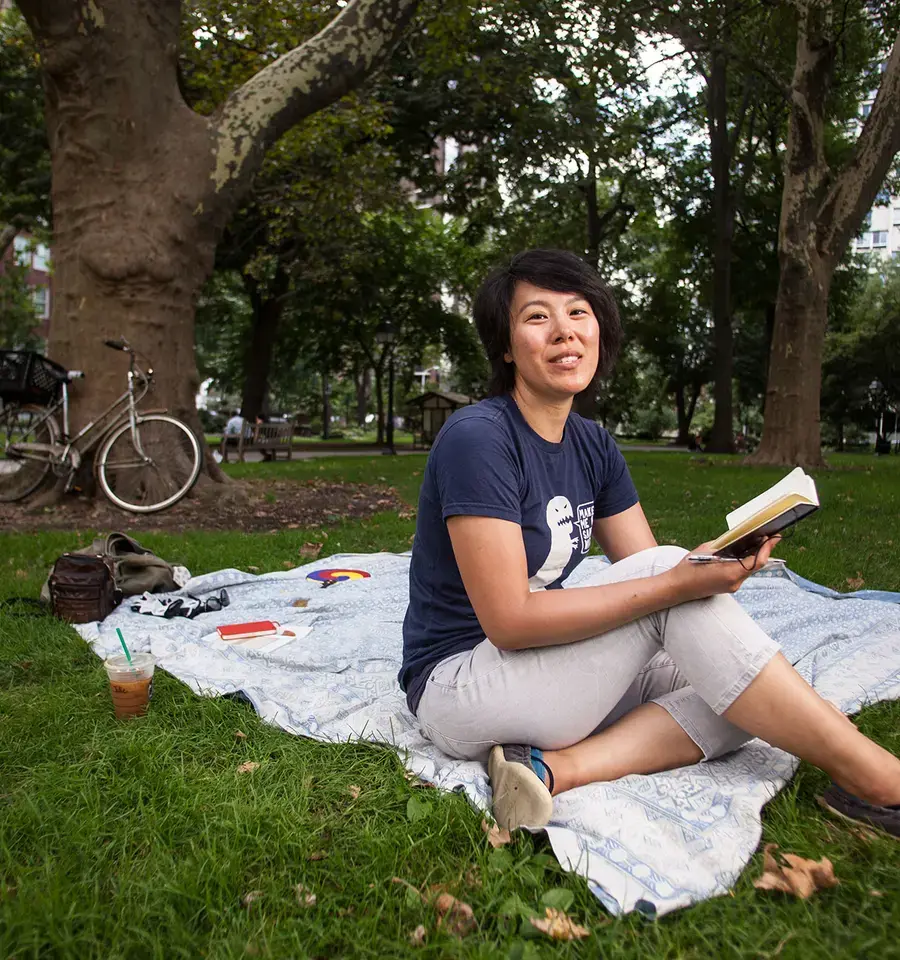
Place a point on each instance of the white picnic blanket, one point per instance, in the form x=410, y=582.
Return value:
x=652, y=843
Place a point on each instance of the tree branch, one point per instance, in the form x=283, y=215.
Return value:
x=301, y=82
x=44, y=15
x=854, y=189
x=7, y=234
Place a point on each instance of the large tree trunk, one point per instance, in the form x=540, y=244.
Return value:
x=721, y=438
x=821, y=210
x=268, y=305
x=143, y=187
x=129, y=254
x=791, y=433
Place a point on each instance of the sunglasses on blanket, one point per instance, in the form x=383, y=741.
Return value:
x=217, y=603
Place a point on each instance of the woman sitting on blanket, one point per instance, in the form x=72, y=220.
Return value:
x=647, y=666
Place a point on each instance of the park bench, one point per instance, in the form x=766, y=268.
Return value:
x=273, y=438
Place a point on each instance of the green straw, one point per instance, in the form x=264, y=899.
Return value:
x=122, y=641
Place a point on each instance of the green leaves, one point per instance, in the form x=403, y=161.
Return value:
x=559, y=898
x=417, y=809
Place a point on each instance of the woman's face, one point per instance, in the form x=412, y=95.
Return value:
x=554, y=341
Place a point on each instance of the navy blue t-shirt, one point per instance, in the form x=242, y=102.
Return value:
x=488, y=462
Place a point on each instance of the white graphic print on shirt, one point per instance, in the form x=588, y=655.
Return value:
x=585, y=521
x=562, y=543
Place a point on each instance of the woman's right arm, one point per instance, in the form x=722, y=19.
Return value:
x=490, y=554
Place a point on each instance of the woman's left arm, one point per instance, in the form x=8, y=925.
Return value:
x=624, y=533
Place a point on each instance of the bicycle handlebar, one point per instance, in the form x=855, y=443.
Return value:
x=121, y=344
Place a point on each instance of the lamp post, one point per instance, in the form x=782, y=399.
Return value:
x=386, y=335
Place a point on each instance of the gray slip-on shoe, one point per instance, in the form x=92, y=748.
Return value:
x=850, y=807
x=521, y=798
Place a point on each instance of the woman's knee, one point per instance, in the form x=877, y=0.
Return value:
x=665, y=557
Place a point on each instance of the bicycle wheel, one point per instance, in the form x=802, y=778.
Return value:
x=21, y=472
x=151, y=469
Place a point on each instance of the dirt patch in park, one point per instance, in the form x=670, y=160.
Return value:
x=251, y=505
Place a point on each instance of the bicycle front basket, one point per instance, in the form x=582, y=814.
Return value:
x=27, y=377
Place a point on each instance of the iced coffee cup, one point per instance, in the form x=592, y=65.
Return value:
x=131, y=684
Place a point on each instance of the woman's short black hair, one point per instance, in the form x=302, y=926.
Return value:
x=555, y=270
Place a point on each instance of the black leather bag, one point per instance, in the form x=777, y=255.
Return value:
x=82, y=588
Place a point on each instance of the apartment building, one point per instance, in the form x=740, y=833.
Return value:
x=28, y=252
x=880, y=232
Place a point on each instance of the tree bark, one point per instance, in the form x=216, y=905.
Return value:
x=326, y=404
x=268, y=305
x=379, y=404
x=685, y=411
x=791, y=431
x=7, y=235
x=821, y=210
x=363, y=381
x=142, y=187
x=721, y=439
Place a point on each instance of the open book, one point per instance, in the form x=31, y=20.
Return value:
x=779, y=507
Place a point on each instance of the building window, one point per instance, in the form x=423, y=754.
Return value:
x=883, y=199
x=41, y=259
x=897, y=214
x=865, y=109
x=22, y=251
x=864, y=241
x=40, y=296
x=879, y=238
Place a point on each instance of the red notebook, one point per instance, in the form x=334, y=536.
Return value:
x=244, y=631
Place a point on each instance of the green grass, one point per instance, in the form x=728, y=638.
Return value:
x=353, y=435
x=139, y=839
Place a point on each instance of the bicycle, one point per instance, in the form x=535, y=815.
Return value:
x=146, y=461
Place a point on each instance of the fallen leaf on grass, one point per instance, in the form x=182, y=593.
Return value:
x=496, y=836
x=353, y=790
x=21, y=574
x=240, y=735
x=872, y=893
x=559, y=926
x=318, y=855
x=454, y=916
x=309, y=551
x=413, y=780
x=300, y=603
x=305, y=896
x=248, y=898
x=247, y=767
x=796, y=875
x=252, y=569
x=417, y=937
x=288, y=565
x=857, y=582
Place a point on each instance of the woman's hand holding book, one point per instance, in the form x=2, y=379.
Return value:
x=695, y=581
